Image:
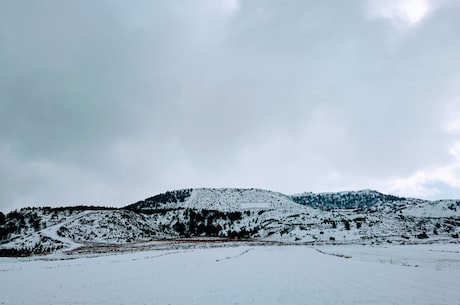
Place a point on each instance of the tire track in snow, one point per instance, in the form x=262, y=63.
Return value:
x=235, y=256
x=380, y=285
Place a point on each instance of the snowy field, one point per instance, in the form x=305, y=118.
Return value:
x=424, y=274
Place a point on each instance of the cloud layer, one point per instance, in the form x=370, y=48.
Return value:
x=109, y=102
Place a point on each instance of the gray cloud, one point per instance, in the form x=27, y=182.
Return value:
x=111, y=101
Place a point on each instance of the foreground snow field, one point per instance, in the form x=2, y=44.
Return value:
x=424, y=274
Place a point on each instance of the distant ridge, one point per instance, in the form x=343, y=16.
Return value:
x=344, y=200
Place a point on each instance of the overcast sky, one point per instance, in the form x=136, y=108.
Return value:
x=109, y=102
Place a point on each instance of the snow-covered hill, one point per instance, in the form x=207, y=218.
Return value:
x=364, y=217
x=345, y=200
x=224, y=199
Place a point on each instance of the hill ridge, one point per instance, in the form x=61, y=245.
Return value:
x=367, y=217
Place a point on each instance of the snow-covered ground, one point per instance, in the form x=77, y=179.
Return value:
x=227, y=199
x=423, y=274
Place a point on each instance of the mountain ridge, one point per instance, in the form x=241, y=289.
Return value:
x=364, y=217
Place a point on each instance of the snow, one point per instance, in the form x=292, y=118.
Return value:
x=240, y=275
x=255, y=205
x=227, y=199
x=440, y=208
x=246, y=213
x=51, y=231
x=435, y=256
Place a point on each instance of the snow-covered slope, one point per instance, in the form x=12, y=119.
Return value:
x=238, y=199
x=364, y=217
x=223, y=199
x=370, y=201
x=439, y=208
x=344, y=200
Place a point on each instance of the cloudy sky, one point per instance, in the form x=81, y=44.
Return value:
x=109, y=102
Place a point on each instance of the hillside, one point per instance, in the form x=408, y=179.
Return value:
x=224, y=200
x=345, y=200
x=363, y=217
